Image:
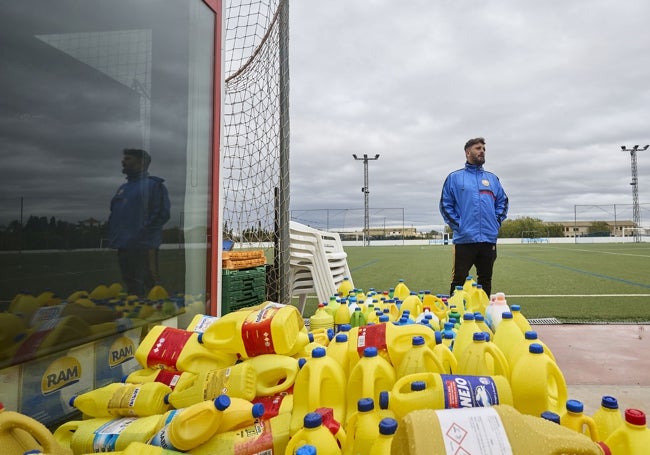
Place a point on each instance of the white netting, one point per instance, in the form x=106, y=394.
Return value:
x=255, y=175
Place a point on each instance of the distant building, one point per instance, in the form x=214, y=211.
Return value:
x=382, y=233
x=581, y=228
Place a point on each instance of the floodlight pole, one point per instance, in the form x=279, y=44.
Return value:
x=366, y=191
x=636, y=214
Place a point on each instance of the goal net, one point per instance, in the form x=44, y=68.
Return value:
x=254, y=156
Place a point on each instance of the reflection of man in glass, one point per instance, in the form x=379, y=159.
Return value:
x=139, y=210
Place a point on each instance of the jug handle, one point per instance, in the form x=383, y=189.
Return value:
x=37, y=430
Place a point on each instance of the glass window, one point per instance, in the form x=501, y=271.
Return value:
x=105, y=143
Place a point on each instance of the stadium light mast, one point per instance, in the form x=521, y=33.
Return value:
x=636, y=215
x=366, y=191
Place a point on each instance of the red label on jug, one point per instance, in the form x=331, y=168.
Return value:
x=169, y=378
x=256, y=332
x=469, y=391
x=167, y=349
x=371, y=335
x=272, y=404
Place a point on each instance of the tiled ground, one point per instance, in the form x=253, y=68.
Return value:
x=599, y=360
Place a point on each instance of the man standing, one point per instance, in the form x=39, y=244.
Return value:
x=139, y=210
x=474, y=205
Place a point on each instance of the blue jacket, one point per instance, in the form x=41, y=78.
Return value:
x=139, y=210
x=473, y=204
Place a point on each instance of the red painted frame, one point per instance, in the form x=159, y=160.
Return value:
x=213, y=229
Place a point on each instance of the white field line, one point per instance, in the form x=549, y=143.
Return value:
x=602, y=252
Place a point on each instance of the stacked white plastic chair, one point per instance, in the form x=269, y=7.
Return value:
x=318, y=263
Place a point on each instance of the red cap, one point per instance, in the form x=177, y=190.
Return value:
x=635, y=417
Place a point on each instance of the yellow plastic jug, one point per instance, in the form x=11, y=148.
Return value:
x=20, y=433
x=105, y=434
x=240, y=413
x=338, y=350
x=52, y=334
x=120, y=399
x=444, y=355
x=607, y=417
x=371, y=375
x=483, y=358
x=420, y=359
x=314, y=433
x=538, y=384
x=280, y=403
x=319, y=383
x=521, y=349
x=272, y=329
x=345, y=287
x=435, y=304
x=413, y=304
x=499, y=429
x=575, y=419
x=169, y=378
x=321, y=319
x=175, y=349
x=384, y=442
x=519, y=318
x=633, y=437
x=465, y=334
x=508, y=336
x=275, y=373
x=267, y=436
x=401, y=290
x=442, y=391
x=362, y=428
x=192, y=426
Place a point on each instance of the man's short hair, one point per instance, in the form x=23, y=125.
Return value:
x=140, y=154
x=476, y=140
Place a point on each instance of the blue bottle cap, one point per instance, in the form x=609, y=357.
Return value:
x=306, y=449
x=301, y=362
x=318, y=352
x=258, y=410
x=341, y=337
x=530, y=335
x=370, y=351
x=416, y=386
x=222, y=402
x=383, y=399
x=468, y=317
x=609, y=402
x=365, y=404
x=387, y=426
x=574, y=406
x=536, y=348
x=515, y=307
x=478, y=336
x=312, y=420
x=551, y=416
x=417, y=340
x=506, y=315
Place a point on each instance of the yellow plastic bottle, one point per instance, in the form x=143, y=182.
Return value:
x=20, y=434
x=521, y=349
x=341, y=316
x=508, y=336
x=119, y=399
x=105, y=434
x=275, y=373
x=519, y=318
x=575, y=419
x=362, y=428
x=436, y=304
x=465, y=334
x=401, y=290
x=483, y=327
x=240, y=413
x=314, y=433
x=420, y=359
x=175, y=349
x=483, y=358
x=538, y=384
x=52, y=334
x=413, y=304
x=192, y=426
x=442, y=391
x=321, y=319
x=273, y=328
x=383, y=443
x=371, y=375
x=495, y=430
x=459, y=300
x=265, y=436
x=280, y=403
x=392, y=341
x=345, y=287
x=338, y=350
x=633, y=437
x=444, y=355
x=607, y=417
x=169, y=378
x=140, y=448
x=201, y=322
x=319, y=383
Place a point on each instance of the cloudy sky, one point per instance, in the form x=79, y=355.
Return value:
x=555, y=87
